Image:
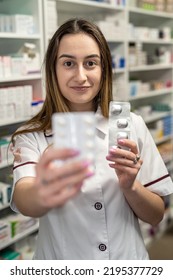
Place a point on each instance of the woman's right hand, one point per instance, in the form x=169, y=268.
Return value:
x=55, y=183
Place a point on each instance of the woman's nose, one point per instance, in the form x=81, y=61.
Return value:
x=81, y=75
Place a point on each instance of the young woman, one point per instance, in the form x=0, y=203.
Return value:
x=97, y=218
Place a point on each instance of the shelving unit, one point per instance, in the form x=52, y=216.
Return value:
x=49, y=14
x=13, y=45
x=159, y=72
x=20, y=236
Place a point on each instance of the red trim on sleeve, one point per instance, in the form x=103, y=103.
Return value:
x=29, y=162
x=156, y=181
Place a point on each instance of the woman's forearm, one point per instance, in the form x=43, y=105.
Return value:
x=148, y=206
x=26, y=199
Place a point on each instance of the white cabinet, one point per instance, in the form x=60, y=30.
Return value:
x=150, y=73
x=21, y=56
x=150, y=89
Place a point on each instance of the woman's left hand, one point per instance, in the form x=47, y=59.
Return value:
x=126, y=162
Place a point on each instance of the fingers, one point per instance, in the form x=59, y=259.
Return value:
x=55, y=172
x=131, y=145
x=129, y=168
x=49, y=158
x=78, y=173
x=58, y=183
x=56, y=192
x=123, y=162
x=122, y=157
x=52, y=154
x=125, y=157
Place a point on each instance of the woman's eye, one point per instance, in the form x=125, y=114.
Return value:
x=68, y=63
x=91, y=63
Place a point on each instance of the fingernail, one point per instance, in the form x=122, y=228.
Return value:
x=121, y=141
x=89, y=174
x=114, y=147
x=75, y=152
x=108, y=157
x=86, y=163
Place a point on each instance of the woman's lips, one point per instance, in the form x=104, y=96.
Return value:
x=83, y=89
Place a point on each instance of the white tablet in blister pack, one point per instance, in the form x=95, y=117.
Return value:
x=119, y=122
x=77, y=131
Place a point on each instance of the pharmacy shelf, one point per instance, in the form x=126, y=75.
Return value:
x=8, y=35
x=162, y=140
x=20, y=236
x=117, y=40
x=86, y=6
x=4, y=206
x=5, y=164
x=17, y=78
x=12, y=43
x=153, y=73
x=157, y=14
x=151, y=67
x=156, y=116
x=13, y=122
x=119, y=70
x=159, y=41
x=153, y=93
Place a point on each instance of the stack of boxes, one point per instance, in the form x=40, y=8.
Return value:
x=18, y=101
x=113, y=28
x=13, y=225
x=169, y=6
x=18, y=23
x=156, y=5
x=139, y=57
x=5, y=194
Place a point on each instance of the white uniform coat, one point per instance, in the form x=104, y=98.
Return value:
x=98, y=223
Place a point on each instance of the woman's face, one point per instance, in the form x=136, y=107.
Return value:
x=78, y=70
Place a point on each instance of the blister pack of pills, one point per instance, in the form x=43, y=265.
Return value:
x=119, y=122
x=77, y=131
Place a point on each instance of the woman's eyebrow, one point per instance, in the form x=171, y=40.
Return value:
x=71, y=56
x=93, y=55
x=66, y=55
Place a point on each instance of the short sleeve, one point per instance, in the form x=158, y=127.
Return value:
x=26, y=155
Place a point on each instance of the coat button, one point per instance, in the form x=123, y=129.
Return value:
x=98, y=206
x=102, y=247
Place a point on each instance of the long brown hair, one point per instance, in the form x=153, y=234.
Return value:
x=54, y=101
